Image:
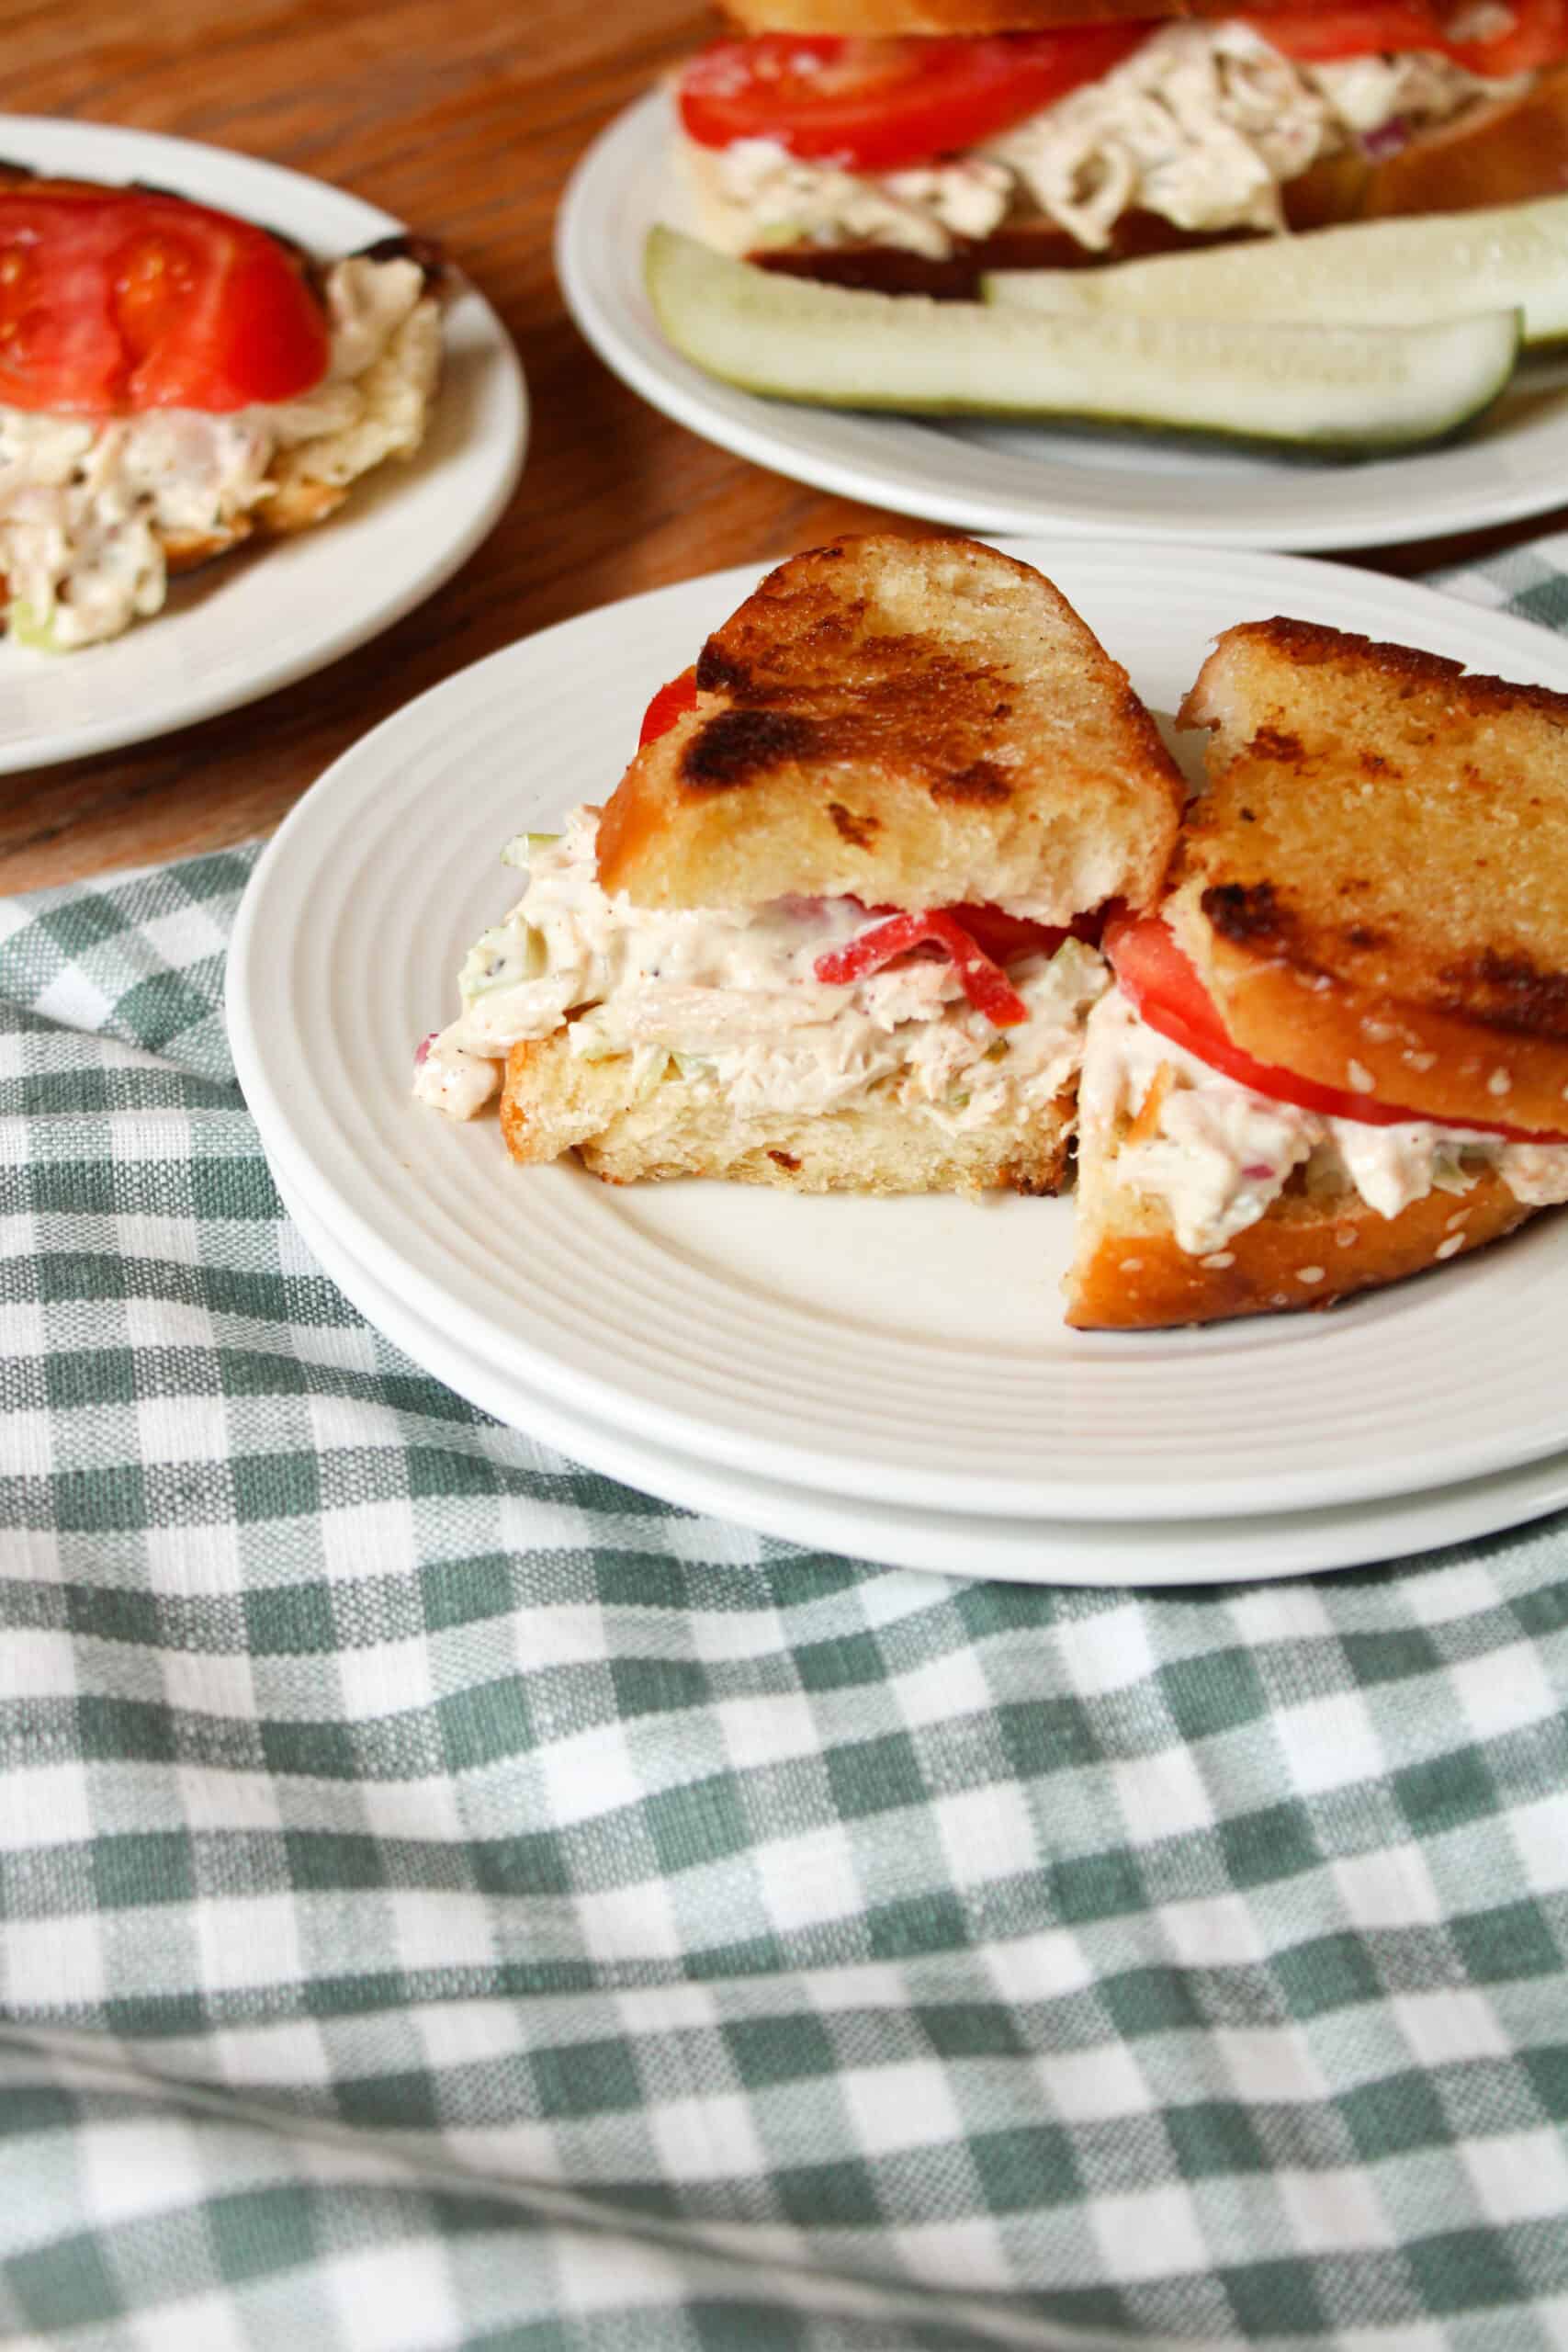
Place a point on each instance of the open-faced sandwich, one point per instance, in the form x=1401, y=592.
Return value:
x=826, y=932
x=1338, y=1053
x=909, y=144
x=174, y=382
x=867, y=194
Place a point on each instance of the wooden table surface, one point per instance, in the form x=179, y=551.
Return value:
x=464, y=118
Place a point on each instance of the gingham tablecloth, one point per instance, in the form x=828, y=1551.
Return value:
x=446, y=1899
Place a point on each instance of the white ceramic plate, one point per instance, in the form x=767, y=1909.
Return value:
x=1155, y=1552
x=241, y=628
x=907, y=1351
x=989, y=477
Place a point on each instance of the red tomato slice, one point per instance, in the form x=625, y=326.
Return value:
x=1538, y=36
x=982, y=982
x=875, y=105
x=1167, y=993
x=1314, y=36
x=1006, y=937
x=671, y=703
x=116, y=300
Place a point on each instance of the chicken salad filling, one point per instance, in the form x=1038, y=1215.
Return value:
x=729, y=999
x=1215, y=1155
x=1203, y=125
x=92, y=511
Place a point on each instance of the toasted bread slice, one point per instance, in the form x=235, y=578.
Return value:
x=912, y=723
x=1374, y=889
x=554, y=1102
x=1129, y=1274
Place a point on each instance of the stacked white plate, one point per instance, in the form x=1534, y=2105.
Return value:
x=889, y=1378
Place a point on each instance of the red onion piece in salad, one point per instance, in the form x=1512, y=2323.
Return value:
x=1387, y=139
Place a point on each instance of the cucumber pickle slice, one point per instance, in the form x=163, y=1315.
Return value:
x=1324, y=389
x=1367, y=273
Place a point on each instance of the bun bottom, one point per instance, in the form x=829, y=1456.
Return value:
x=1021, y=245
x=553, y=1102
x=1130, y=1274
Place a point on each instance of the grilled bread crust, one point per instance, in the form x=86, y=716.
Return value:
x=1129, y=1274
x=554, y=1103
x=1374, y=889
x=915, y=723
x=293, y=507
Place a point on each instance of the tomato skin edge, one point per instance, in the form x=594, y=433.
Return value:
x=669, y=704
x=118, y=302
x=1205, y=1039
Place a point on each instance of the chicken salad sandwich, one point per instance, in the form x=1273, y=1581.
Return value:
x=1337, y=1052
x=911, y=145
x=829, y=931
x=174, y=381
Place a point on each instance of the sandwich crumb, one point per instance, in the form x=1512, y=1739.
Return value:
x=1309, y=1274
x=1453, y=1224
x=1132, y=1265
x=1450, y=1248
x=1499, y=1083
x=1360, y=1077
x=1346, y=1238
x=1219, y=1258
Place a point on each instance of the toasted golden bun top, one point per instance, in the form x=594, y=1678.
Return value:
x=913, y=722
x=1375, y=886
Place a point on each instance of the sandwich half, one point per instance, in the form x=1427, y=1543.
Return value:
x=1338, y=1053
x=910, y=145
x=827, y=934
x=174, y=381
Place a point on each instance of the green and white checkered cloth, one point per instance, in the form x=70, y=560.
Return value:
x=447, y=1900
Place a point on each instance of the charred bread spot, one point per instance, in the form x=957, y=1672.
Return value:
x=1374, y=764
x=719, y=672
x=1274, y=743
x=859, y=831
x=1246, y=913
x=785, y=1159
x=981, y=785
x=424, y=252
x=1361, y=934
x=735, y=746
x=1508, y=992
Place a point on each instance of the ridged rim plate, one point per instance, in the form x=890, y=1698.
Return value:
x=1078, y=1552
x=999, y=477
x=243, y=627
x=909, y=1351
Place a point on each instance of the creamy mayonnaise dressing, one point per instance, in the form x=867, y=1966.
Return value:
x=87, y=508
x=1220, y=1154
x=1203, y=124
x=727, y=999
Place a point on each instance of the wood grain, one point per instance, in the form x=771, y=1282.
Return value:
x=464, y=119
